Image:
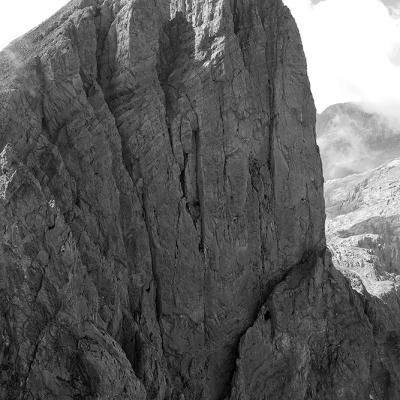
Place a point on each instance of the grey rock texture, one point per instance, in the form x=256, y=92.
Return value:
x=363, y=218
x=354, y=139
x=162, y=213
x=363, y=234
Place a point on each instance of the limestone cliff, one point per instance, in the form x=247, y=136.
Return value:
x=162, y=212
x=364, y=237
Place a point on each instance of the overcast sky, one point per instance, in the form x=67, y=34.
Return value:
x=19, y=16
x=352, y=46
x=352, y=49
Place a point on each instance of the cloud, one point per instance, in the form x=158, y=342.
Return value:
x=353, y=51
x=393, y=6
x=344, y=153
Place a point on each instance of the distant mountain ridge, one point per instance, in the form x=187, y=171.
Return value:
x=353, y=140
x=363, y=216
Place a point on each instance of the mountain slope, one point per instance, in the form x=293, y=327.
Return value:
x=162, y=212
x=363, y=224
x=363, y=234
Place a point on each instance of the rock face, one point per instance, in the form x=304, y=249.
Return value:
x=363, y=218
x=363, y=233
x=162, y=212
x=353, y=140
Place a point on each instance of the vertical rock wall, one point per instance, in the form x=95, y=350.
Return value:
x=162, y=209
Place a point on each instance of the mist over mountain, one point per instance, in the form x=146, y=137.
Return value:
x=353, y=139
x=359, y=149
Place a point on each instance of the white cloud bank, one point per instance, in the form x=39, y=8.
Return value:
x=353, y=52
x=18, y=17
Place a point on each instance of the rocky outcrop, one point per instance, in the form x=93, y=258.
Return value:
x=363, y=219
x=363, y=236
x=354, y=139
x=162, y=212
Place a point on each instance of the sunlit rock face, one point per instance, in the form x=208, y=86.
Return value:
x=162, y=211
x=363, y=223
x=363, y=235
x=353, y=140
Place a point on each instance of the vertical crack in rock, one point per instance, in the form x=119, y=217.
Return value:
x=272, y=55
x=173, y=48
x=182, y=178
x=200, y=190
x=153, y=259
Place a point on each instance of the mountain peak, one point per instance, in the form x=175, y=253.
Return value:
x=353, y=140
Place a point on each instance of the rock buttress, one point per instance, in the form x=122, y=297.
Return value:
x=160, y=184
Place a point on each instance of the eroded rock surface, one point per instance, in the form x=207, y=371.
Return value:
x=363, y=224
x=364, y=237
x=162, y=212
